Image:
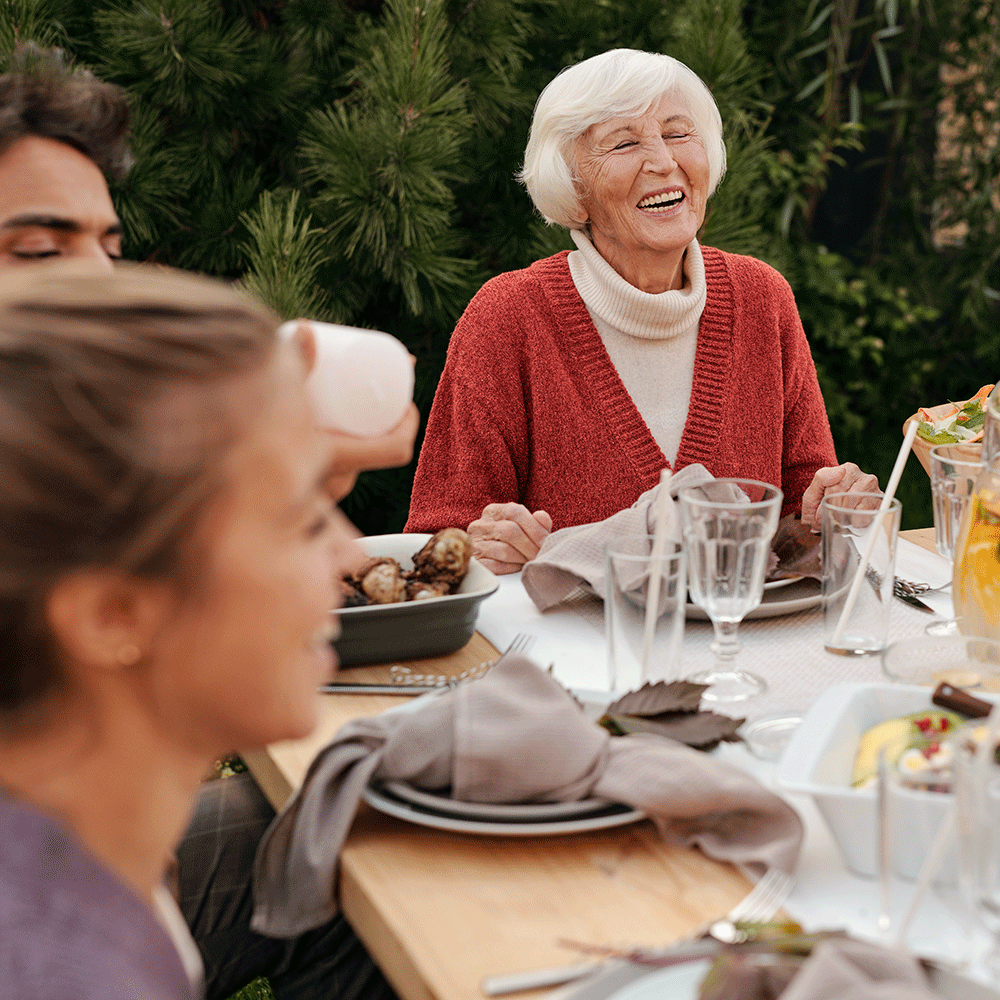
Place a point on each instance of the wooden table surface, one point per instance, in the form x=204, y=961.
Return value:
x=438, y=911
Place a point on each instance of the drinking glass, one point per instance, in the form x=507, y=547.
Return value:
x=963, y=661
x=728, y=546
x=915, y=842
x=975, y=589
x=858, y=561
x=991, y=430
x=954, y=470
x=976, y=784
x=644, y=642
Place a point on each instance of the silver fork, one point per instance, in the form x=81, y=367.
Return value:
x=916, y=589
x=757, y=906
x=521, y=643
x=404, y=677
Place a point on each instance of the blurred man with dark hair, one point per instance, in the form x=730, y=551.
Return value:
x=62, y=132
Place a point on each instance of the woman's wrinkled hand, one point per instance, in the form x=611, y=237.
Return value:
x=508, y=535
x=846, y=478
x=356, y=454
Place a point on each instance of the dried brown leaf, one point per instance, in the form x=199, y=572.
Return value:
x=797, y=548
x=655, y=699
x=701, y=730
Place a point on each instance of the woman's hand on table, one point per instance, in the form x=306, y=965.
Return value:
x=508, y=535
x=846, y=478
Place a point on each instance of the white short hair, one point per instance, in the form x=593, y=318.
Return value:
x=616, y=83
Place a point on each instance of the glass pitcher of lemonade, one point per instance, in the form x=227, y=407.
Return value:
x=976, y=582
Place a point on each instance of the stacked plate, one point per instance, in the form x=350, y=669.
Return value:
x=436, y=809
x=781, y=597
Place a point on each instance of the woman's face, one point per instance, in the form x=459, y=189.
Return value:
x=239, y=657
x=644, y=188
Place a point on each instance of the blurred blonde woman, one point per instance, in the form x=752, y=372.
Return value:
x=167, y=564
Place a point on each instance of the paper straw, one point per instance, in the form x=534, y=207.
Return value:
x=928, y=871
x=890, y=492
x=655, y=569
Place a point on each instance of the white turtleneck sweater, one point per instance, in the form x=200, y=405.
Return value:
x=651, y=339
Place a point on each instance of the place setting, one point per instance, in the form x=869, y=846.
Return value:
x=512, y=754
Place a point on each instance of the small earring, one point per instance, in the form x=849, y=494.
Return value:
x=129, y=655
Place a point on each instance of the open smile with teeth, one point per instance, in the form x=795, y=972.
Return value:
x=660, y=202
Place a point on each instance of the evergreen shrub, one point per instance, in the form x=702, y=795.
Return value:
x=354, y=160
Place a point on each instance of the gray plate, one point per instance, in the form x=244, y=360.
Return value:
x=799, y=595
x=612, y=816
x=524, y=812
x=412, y=629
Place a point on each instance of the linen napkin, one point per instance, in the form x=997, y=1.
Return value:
x=839, y=968
x=575, y=555
x=846, y=969
x=514, y=735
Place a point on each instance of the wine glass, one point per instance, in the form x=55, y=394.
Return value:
x=976, y=783
x=729, y=543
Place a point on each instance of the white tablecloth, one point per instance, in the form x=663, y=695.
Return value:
x=786, y=651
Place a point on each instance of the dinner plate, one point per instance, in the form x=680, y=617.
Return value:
x=783, y=582
x=800, y=595
x=613, y=815
x=626, y=981
x=527, y=812
x=629, y=981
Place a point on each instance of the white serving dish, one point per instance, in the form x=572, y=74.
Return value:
x=819, y=761
x=408, y=630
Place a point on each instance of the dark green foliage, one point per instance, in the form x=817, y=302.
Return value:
x=355, y=160
x=259, y=989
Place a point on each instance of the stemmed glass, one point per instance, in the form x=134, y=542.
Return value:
x=977, y=801
x=728, y=544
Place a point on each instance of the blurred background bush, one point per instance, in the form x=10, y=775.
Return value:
x=353, y=160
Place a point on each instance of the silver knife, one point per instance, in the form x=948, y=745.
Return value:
x=344, y=687
x=914, y=602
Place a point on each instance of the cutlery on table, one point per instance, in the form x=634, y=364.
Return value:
x=905, y=590
x=908, y=592
x=344, y=687
x=758, y=906
x=406, y=682
x=914, y=602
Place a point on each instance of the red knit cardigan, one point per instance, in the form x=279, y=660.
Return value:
x=531, y=409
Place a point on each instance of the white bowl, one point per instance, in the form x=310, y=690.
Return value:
x=819, y=761
x=408, y=630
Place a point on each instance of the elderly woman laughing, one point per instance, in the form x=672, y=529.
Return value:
x=571, y=384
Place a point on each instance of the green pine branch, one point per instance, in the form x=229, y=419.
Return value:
x=284, y=253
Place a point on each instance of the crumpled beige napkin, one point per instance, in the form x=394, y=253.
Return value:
x=575, y=555
x=840, y=968
x=514, y=735
x=859, y=970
